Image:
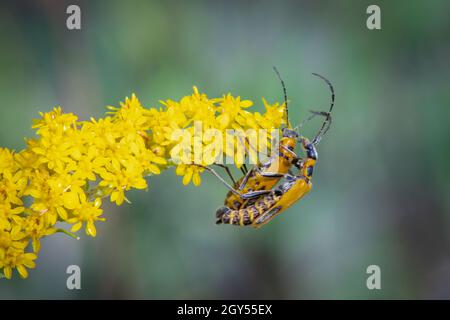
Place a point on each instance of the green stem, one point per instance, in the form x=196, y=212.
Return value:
x=70, y=234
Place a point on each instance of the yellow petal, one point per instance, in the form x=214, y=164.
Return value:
x=140, y=183
x=153, y=169
x=71, y=200
x=246, y=103
x=187, y=177
x=7, y=271
x=36, y=244
x=29, y=264
x=159, y=160
x=22, y=271
x=224, y=120
x=62, y=212
x=17, y=210
x=120, y=198
x=180, y=170
x=196, y=179
x=98, y=202
x=76, y=226
x=90, y=229
x=30, y=256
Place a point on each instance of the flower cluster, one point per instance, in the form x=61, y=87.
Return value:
x=61, y=177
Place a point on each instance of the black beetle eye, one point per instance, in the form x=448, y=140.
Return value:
x=278, y=193
x=309, y=171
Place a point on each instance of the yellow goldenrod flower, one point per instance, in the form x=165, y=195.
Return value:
x=190, y=172
x=35, y=227
x=88, y=213
x=232, y=111
x=12, y=188
x=8, y=215
x=71, y=165
x=13, y=258
x=6, y=161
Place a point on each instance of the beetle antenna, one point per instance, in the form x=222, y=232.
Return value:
x=327, y=122
x=285, y=94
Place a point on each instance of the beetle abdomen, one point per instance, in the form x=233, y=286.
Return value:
x=247, y=215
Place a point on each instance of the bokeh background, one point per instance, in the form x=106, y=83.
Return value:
x=381, y=188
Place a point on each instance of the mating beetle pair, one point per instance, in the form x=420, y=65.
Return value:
x=255, y=199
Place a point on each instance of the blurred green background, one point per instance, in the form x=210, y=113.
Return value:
x=381, y=188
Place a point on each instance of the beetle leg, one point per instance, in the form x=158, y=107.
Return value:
x=218, y=176
x=271, y=174
x=254, y=194
x=290, y=151
x=228, y=172
x=248, y=195
x=244, y=181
